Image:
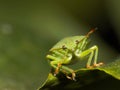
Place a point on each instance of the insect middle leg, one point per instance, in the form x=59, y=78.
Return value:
x=93, y=51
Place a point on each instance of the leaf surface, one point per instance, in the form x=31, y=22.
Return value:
x=84, y=77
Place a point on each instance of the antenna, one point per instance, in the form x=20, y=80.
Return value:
x=91, y=31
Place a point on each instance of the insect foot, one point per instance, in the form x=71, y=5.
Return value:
x=88, y=66
x=72, y=77
x=54, y=74
x=97, y=65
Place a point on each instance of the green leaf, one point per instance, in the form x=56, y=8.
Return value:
x=112, y=69
x=84, y=77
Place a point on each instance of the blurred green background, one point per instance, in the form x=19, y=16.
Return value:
x=29, y=28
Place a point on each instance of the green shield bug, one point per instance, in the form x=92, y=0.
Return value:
x=66, y=50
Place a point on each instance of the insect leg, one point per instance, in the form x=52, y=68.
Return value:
x=67, y=70
x=58, y=53
x=57, y=58
x=91, y=52
x=56, y=65
x=90, y=59
x=95, y=57
x=85, y=53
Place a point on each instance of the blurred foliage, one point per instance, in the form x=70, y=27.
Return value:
x=28, y=29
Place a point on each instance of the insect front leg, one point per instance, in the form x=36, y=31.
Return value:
x=93, y=51
x=56, y=59
x=55, y=63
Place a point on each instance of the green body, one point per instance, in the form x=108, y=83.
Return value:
x=69, y=48
x=69, y=43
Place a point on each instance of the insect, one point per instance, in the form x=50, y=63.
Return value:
x=66, y=50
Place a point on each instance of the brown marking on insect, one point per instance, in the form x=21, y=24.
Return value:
x=77, y=41
x=64, y=47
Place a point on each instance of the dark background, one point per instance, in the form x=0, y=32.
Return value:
x=28, y=29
